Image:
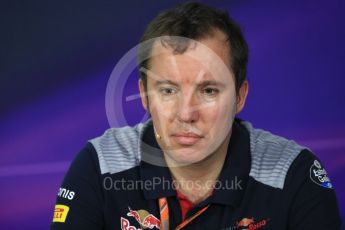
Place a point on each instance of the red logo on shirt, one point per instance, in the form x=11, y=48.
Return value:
x=125, y=225
x=143, y=217
x=250, y=224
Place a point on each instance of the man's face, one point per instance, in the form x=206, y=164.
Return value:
x=191, y=98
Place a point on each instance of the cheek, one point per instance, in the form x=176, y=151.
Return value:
x=162, y=110
x=220, y=118
x=162, y=115
x=219, y=111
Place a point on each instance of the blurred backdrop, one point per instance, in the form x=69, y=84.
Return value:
x=57, y=56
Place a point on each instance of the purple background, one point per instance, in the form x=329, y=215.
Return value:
x=56, y=58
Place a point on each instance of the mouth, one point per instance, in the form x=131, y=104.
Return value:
x=186, y=138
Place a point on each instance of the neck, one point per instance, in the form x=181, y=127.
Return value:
x=196, y=180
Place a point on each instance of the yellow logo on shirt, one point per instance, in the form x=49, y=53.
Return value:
x=60, y=213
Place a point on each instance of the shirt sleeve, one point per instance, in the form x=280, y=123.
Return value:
x=79, y=200
x=314, y=204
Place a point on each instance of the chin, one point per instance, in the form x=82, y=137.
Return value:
x=187, y=156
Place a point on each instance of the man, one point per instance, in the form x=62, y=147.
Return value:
x=193, y=165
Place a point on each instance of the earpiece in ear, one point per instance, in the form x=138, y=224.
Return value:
x=156, y=134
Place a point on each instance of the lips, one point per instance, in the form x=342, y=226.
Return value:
x=186, y=138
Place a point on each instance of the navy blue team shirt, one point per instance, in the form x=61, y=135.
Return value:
x=267, y=182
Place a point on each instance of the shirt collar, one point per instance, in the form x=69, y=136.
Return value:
x=232, y=181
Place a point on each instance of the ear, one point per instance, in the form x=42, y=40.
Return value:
x=242, y=96
x=143, y=94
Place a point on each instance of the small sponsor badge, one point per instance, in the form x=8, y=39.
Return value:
x=60, y=213
x=319, y=175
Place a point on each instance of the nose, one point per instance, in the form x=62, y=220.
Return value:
x=188, y=108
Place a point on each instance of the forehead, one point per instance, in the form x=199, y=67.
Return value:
x=210, y=54
x=217, y=42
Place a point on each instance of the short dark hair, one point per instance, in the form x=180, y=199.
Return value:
x=195, y=21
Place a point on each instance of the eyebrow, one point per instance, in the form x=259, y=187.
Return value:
x=211, y=82
x=162, y=82
x=203, y=83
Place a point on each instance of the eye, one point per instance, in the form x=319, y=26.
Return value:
x=210, y=91
x=167, y=91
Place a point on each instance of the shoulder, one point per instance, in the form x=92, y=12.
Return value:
x=118, y=149
x=272, y=156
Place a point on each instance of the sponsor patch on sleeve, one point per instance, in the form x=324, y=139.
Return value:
x=60, y=213
x=65, y=193
x=319, y=175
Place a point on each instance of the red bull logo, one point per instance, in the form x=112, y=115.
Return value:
x=245, y=222
x=250, y=224
x=125, y=225
x=144, y=218
x=134, y=214
x=151, y=222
